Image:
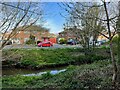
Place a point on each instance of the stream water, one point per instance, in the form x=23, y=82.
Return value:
x=30, y=72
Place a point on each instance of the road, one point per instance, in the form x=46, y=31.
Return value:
x=33, y=46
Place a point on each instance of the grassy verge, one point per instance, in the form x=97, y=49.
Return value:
x=93, y=76
x=41, y=58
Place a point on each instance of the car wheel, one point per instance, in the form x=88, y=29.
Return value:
x=41, y=46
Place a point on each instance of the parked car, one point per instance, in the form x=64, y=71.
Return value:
x=38, y=42
x=45, y=44
x=100, y=42
x=72, y=42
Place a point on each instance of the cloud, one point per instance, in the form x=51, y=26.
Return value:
x=54, y=28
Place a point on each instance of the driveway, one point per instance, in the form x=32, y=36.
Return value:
x=33, y=46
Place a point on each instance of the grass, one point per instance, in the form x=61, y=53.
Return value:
x=95, y=75
x=79, y=73
x=41, y=58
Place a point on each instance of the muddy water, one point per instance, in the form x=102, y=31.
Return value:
x=29, y=72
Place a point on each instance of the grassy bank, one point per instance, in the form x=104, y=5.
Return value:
x=96, y=75
x=41, y=58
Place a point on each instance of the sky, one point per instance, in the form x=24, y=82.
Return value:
x=53, y=20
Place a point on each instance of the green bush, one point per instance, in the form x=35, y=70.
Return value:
x=62, y=41
x=115, y=39
x=47, y=76
x=30, y=41
x=90, y=58
x=104, y=47
x=71, y=67
x=28, y=63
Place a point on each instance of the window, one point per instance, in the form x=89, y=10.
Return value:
x=16, y=40
x=18, y=32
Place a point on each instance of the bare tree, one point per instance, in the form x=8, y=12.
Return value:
x=107, y=20
x=118, y=32
x=85, y=18
x=15, y=14
x=111, y=45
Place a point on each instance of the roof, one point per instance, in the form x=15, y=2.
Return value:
x=32, y=28
x=49, y=35
x=70, y=30
x=62, y=32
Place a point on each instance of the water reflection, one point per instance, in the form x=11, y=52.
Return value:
x=53, y=72
x=57, y=71
x=30, y=72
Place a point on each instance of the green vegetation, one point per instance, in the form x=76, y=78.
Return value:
x=31, y=40
x=62, y=41
x=84, y=72
x=96, y=75
x=41, y=58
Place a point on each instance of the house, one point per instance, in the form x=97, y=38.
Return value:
x=70, y=33
x=102, y=38
x=22, y=34
x=74, y=33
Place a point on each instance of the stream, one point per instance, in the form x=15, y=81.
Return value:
x=30, y=72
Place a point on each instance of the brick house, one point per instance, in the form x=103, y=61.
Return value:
x=74, y=33
x=70, y=33
x=23, y=34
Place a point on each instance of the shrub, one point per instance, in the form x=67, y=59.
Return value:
x=53, y=57
x=104, y=47
x=71, y=67
x=28, y=63
x=47, y=76
x=115, y=39
x=30, y=41
x=90, y=58
x=63, y=41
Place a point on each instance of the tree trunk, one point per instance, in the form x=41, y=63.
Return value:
x=0, y=68
x=118, y=45
x=118, y=32
x=114, y=78
x=93, y=44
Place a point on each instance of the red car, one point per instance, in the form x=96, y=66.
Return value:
x=45, y=44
